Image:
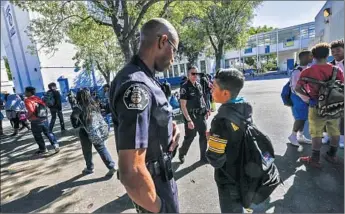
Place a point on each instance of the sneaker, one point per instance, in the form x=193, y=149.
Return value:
x=303, y=139
x=341, y=142
x=57, y=150
x=41, y=152
x=87, y=171
x=325, y=138
x=308, y=160
x=293, y=140
x=333, y=160
x=111, y=172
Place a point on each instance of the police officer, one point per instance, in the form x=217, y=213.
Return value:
x=144, y=132
x=195, y=110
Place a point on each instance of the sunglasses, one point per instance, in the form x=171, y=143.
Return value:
x=193, y=74
x=171, y=44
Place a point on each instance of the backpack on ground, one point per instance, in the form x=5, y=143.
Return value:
x=330, y=102
x=49, y=99
x=41, y=111
x=259, y=176
x=97, y=129
x=286, y=91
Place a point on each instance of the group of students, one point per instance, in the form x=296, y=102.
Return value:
x=317, y=89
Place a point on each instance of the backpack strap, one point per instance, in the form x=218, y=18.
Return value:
x=334, y=73
x=312, y=80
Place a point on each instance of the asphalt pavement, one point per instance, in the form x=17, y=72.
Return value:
x=55, y=184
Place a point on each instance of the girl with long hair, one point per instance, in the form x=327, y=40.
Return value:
x=81, y=115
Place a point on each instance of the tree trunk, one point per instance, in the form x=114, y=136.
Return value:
x=219, y=55
x=192, y=59
x=126, y=50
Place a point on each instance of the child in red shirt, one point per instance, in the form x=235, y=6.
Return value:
x=319, y=71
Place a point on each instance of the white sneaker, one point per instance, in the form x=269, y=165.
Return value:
x=341, y=142
x=303, y=139
x=325, y=138
x=293, y=140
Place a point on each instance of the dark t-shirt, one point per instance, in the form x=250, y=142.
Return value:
x=193, y=94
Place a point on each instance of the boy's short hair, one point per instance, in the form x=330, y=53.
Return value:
x=51, y=85
x=31, y=90
x=303, y=54
x=337, y=43
x=230, y=79
x=320, y=51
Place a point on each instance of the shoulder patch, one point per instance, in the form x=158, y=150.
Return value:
x=182, y=91
x=136, y=97
x=235, y=127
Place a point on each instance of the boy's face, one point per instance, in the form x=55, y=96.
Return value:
x=27, y=94
x=338, y=53
x=219, y=95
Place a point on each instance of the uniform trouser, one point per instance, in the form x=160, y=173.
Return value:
x=229, y=199
x=102, y=150
x=167, y=192
x=53, y=112
x=200, y=127
x=37, y=127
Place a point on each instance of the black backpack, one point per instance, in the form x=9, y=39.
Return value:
x=41, y=111
x=330, y=102
x=259, y=176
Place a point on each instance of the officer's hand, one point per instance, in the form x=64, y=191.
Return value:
x=191, y=125
x=208, y=114
x=176, y=137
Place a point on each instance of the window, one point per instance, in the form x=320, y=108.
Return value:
x=227, y=63
x=182, y=69
x=203, y=66
x=170, y=72
x=165, y=73
x=176, y=73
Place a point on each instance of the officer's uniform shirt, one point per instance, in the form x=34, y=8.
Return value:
x=142, y=114
x=193, y=94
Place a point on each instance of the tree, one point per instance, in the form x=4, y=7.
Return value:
x=260, y=29
x=97, y=47
x=226, y=24
x=123, y=16
x=7, y=66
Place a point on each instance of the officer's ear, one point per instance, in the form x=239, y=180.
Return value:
x=161, y=40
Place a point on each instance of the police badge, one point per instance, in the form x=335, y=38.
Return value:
x=136, y=97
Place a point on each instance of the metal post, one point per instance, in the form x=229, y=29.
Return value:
x=277, y=50
x=257, y=51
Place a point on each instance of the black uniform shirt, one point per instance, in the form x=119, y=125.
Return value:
x=193, y=94
x=142, y=114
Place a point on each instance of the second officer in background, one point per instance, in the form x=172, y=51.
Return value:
x=195, y=111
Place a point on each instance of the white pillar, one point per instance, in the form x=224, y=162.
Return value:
x=300, y=39
x=277, y=50
x=257, y=50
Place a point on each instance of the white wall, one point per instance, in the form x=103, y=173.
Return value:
x=328, y=32
x=283, y=57
x=24, y=66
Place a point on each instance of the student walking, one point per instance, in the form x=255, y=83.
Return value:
x=82, y=115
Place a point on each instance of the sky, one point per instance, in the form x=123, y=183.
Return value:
x=280, y=14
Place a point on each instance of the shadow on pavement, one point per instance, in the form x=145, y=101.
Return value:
x=306, y=189
x=119, y=205
x=39, y=197
x=179, y=174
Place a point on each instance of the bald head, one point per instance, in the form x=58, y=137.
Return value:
x=154, y=28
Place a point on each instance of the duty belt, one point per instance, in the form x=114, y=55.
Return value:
x=154, y=168
x=197, y=111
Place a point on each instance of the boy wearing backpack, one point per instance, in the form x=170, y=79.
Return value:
x=38, y=115
x=324, y=109
x=299, y=107
x=234, y=153
x=53, y=100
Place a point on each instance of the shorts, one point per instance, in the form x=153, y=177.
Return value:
x=317, y=124
x=299, y=108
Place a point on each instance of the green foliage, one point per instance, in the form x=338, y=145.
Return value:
x=7, y=66
x=260, y=29
x=226, y=23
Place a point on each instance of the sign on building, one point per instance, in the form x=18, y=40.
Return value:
x=10, y=21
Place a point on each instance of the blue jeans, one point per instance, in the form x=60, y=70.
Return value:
x=53, y=112
x=39, y=126
x=86, y=146
x=108, y=120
